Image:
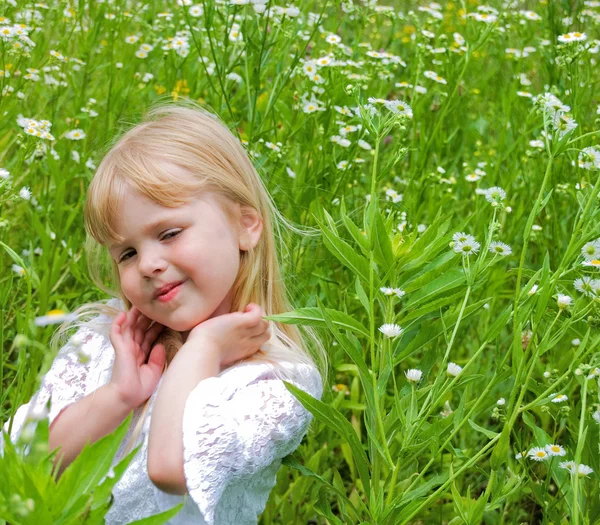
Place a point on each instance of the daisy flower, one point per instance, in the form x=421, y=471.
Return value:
x=413, y=375
x=587, y=286
x=454, y=369
x=432, y=75
x=390, y=330
x=564, y=301
x=467, y=247
x=560, y=398
x=500, y=248
x=537, y=454
x=25, y=193
x=495, y=194
x=555, y=450
x=589, y=158
x=591, y=250
x=572, y=37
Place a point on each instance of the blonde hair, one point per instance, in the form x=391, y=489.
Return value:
x=211, y=159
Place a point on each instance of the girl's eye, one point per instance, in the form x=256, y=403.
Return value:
x=168, y=235
x=171, y=234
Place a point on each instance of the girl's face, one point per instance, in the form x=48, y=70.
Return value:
x=196, y=245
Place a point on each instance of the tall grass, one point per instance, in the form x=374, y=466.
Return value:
x=455, y=279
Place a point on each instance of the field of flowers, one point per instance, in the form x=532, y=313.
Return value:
x=445, y=160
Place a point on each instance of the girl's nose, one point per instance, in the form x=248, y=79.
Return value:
x=151, y=264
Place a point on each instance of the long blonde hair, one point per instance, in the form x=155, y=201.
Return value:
x=211, y=159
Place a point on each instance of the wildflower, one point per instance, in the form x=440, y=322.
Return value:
x=500, y=248
x=399, y=107
x=596, y=416
x=537, y=144
x=75, y=134
x=591, y=250
x=399, y=293
x=342, y=165
x=311, y=107
x=521, y=455
x=364, y=144
x=555, y=450
x=4, y=174
x=560, y=398
x=390, y=330
x=454, y=369
x=413, y=375
x=54, y=317
x=537, y=454
x=581, y=470
x=587, y=286
x=467, y=247
x=501, y=402
x=572, y=37
x=387, y=291
x=432, y=75
x=333, y=39
x=564, y=301
x=533, y=290
x=495, y=195
x=576, y=342
x=25, y=193
x=18, y=270
x=589, y=158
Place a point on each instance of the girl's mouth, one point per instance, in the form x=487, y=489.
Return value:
x=166, y=297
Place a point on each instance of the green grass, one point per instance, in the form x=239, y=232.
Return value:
x=382, y=449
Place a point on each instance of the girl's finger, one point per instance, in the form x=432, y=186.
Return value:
x=141, y=326
x=151, y=334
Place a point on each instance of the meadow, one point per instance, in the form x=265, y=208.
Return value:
x=441, y=162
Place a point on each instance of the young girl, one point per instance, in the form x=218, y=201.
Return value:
x=180, y=222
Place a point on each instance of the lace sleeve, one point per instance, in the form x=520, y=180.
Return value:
x=76, y=371
x=231, y=437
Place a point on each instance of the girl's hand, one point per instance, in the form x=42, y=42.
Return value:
x=234, y=336
x=133, y=339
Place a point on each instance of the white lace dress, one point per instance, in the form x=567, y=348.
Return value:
x=236, y=429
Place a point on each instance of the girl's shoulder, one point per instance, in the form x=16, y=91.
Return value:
x=303, y=375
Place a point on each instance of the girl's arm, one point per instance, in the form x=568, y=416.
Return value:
x=165, y=444
x=89, y=419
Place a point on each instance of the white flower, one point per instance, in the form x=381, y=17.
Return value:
x=364, y=144
x=533, y=290
x=537, y=144
x=589, y=158
x=399, y=107
x=454, y=369
x=501, y=401
x=432, y=75
x=564, y=301
x=596, y=416
x=555, y=450
x=25, y=193
x=560, y=398
x=465, y=244
x=54, y=317
x=500, y=248
x=18, y=270
x=399, y=293
x=75, y=134
x=291, y=173
x=413, y=375
x=581, y=469
x=4, y=174
x=495, y=194
x=587, y=286
x=390, y=330
x=591, y=250
x=387, y=291
x=537, y=454
x=333, y=39
x=572, y=37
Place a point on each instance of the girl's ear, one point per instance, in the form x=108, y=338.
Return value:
x=251, y=226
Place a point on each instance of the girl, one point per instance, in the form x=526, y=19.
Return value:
x=179, y=221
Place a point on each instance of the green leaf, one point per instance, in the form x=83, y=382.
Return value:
x=312, y=316
x=347, y=255
x=441, y=285
x=337, y=422
x=489, y=433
